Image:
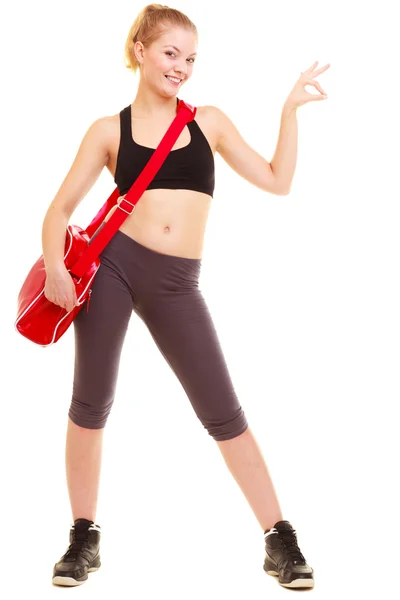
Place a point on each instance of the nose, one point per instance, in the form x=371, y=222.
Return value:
x=181, y=70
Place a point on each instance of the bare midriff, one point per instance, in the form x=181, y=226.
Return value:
x=170, y=221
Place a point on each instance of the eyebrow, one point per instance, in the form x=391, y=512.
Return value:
x=177, y=49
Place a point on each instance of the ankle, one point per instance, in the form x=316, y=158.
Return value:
x=84, y=520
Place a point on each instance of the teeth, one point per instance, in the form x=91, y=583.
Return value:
x=173, y=79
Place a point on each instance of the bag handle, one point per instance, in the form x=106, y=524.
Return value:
x=101, y=231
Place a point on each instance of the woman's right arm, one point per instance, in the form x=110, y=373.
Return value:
x=92, y=156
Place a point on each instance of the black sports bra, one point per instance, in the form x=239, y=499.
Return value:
x=188, y=168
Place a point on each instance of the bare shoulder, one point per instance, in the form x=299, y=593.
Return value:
x=208, y=118
x=105, y=130
x=216, y=120
x=208, y=112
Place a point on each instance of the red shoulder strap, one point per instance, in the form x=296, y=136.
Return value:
x=101, y=232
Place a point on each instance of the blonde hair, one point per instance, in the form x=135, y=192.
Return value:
x=152, y=21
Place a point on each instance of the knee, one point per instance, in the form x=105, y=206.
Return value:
x=228, y=428
x=90, y=415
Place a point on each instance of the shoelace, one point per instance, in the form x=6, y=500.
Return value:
x=75, y=547
x=289, y=540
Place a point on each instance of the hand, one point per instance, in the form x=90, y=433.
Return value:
x=298, y=95
x=60, y=289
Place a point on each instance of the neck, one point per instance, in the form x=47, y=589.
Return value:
x=149, y=105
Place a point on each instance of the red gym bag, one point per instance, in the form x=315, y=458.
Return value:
x=44, y=322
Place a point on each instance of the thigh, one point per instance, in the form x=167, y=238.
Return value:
x=182, y=327
x=99, y=335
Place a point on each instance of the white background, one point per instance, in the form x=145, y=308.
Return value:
x=303, y=290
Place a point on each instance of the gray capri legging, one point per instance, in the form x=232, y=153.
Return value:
x=163, y=291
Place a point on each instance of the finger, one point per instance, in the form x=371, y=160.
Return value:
x=321, y=70
x=317, y=85
x=317, y=97
x=64, y=303
x=68, y=305
x=71, y=302
x=60, y=304
x=74, y=298
x=310, y=69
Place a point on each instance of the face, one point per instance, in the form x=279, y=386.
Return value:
x=161, y=60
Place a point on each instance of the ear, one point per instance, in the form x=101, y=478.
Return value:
x=138, y=50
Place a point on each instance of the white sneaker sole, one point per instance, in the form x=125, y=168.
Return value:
x=296, y=583
x=70, y=581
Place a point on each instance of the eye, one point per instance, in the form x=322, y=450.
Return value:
x=168, y=53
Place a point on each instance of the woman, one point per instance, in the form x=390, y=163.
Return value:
x=152, y=266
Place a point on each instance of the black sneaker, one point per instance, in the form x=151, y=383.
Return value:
x=82, y=556
x=284, y=559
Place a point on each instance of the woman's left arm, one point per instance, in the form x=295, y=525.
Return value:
x=283, y=163
x=274, y=177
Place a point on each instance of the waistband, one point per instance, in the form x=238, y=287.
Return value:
x=130, y=244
